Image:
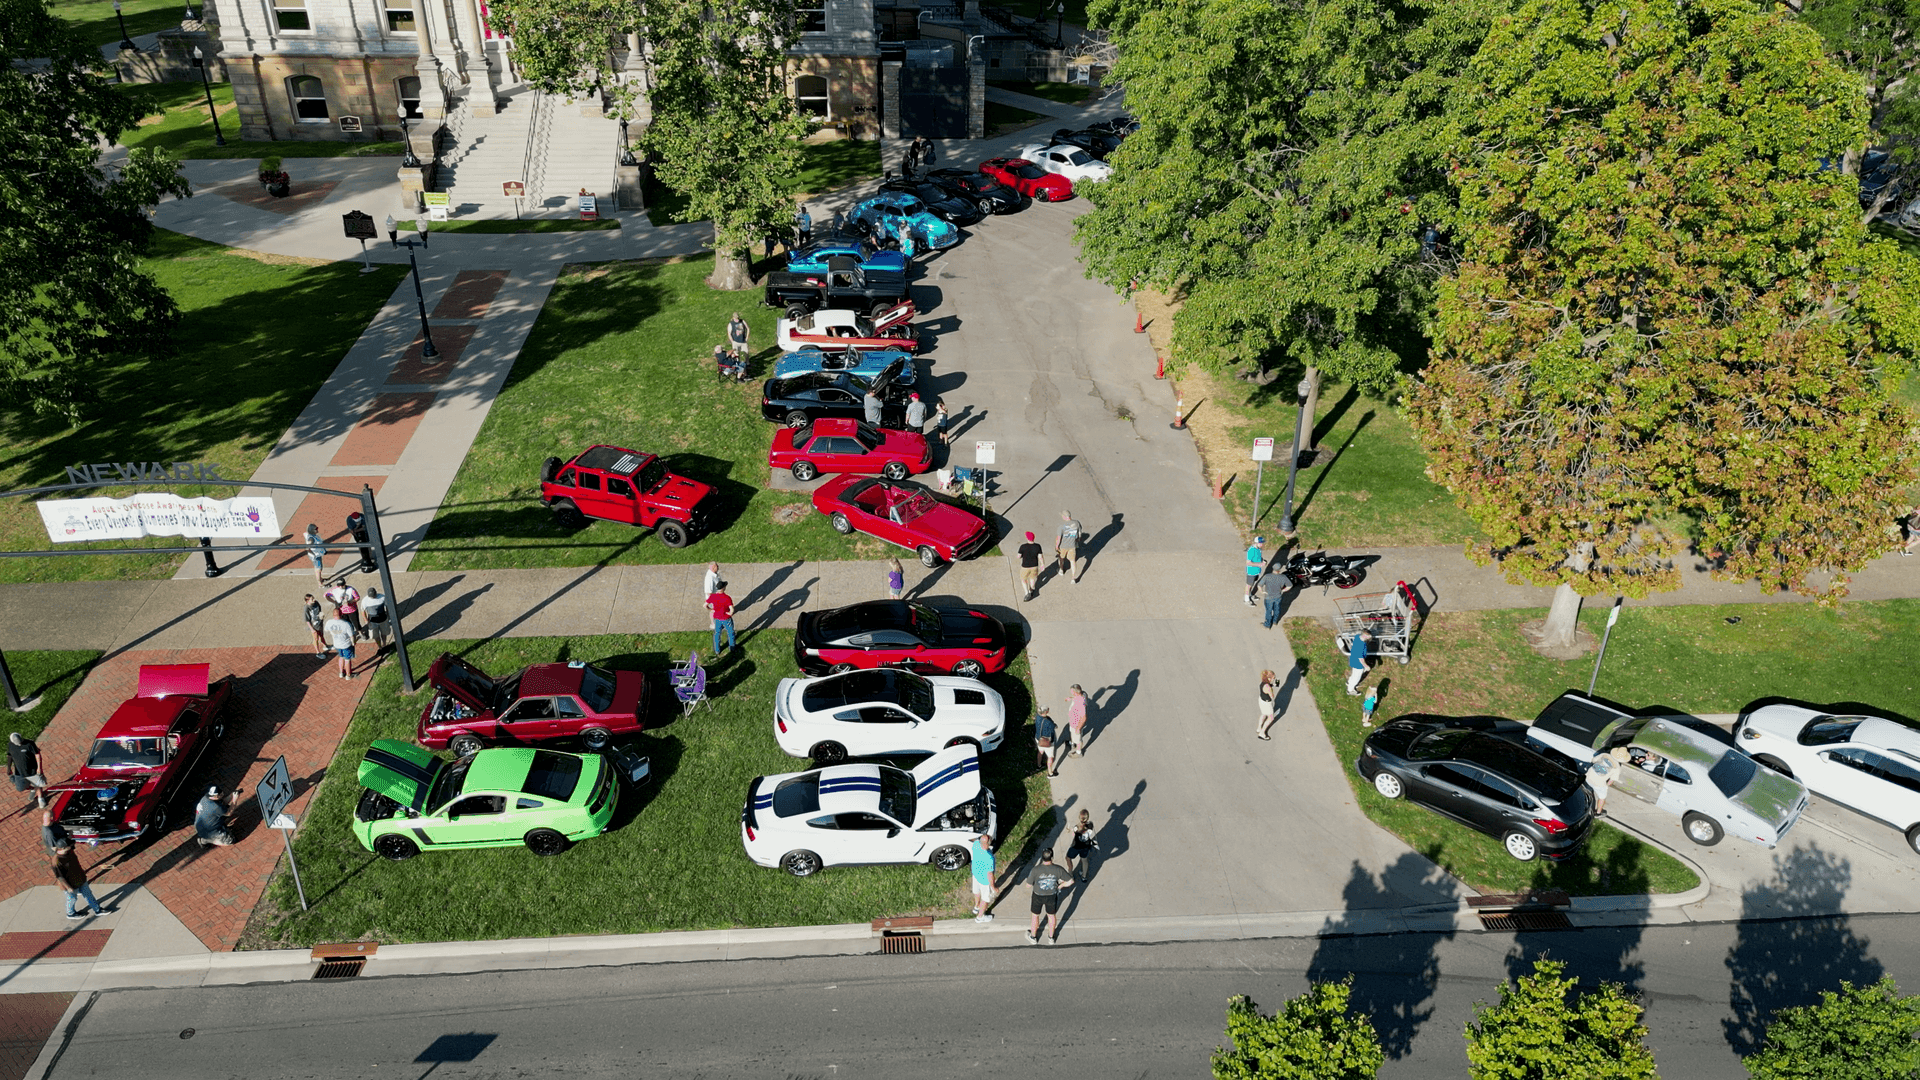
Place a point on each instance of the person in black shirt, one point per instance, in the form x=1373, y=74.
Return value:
x=23, y=765
x=1030, y=553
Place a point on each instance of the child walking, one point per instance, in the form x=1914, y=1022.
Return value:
x=1370, y=703
x=896, y=579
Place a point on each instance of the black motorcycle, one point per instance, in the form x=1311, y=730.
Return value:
x=1320, y=568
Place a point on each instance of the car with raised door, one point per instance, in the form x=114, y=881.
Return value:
x=885, y=712
x=906, y=514
x=1868, y=764
x=1071, y=162
x=869, y=813
x=1028, y=179
x=993, y=196
x=1714, y=789
x=816, y=395
x=140, y=766
x=1476, y=771
x=412, y=801
x=835, y=330
x=540, y=703
x=866, y=363
x=613, y=483
x=849, y=446
x=900, y=633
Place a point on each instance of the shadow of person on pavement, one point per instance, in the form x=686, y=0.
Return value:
x=766, y=587
x=1791, y=945
x=787, y=601
x=1113, y=831
x=1091, y=548
x=1108, y=702
x=1394, y=975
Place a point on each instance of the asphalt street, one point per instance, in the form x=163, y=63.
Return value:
x=1061, y=1011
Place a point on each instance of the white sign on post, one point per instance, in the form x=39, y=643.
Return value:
x=1263, y=449
x=983, y=453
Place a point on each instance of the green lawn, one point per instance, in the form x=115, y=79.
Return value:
x=672, y=860
x=95, y=21
x=1004, y=118
x=256, y=339
x=823, y=167
x=623, y=354
x=1687, y=659
x=184, y=129
x=1064, y=93
x=50, y=676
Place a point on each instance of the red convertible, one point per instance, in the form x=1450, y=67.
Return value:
x=849, y=446
x=906, y=514
x=834, y=330
x=142, y=761
x=542, y=703
x=1027, y=178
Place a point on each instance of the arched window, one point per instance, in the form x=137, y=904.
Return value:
x=409, y=88
x=309, y=99
x=810, y=95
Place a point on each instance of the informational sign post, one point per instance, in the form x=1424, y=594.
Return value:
x=437, y=203
x=360, y=227
x=1612, y=617
x=515, y=190
x=983, y=455
x=589, y=206
x=273, y=793
x=1262, y=453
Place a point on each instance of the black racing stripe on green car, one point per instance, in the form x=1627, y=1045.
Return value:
x=421, y=835
x=386, y=759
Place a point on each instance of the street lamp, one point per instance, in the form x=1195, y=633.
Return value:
x=126, y=39
x=200, y=61
x=1059, y=20
x=626, y=150
x=427, y=351
x=407, y=160
x=1293, y=468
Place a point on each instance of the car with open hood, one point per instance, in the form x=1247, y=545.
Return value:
x=1868, y=764
x=885, y=712
x=140, y=765
x=835, y=330
x=413, y=801
x=900, y=633
x=612, y=483
x=906, y=514
x=1714, y=789
x=869, y=813
x=541, y=703
x=818, y=395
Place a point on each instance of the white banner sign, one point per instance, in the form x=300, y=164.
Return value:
x=158, y=514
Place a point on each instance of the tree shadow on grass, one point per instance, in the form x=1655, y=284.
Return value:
x=1326, y=470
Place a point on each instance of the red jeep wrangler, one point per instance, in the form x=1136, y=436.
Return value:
x=615, y=484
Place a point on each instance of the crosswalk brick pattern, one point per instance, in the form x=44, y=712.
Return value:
x=382, y=434
x=52, y=944
x=25, y=1024
x=330, y=513
x=449, y=343
x=470, y=295
x=283, y=703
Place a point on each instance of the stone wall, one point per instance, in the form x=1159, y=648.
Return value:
x=362, y=86
x=853, y=90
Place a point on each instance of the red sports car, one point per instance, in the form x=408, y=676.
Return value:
x=139, y=769
x=849, y=446
x=906, y=514
x=542, y=703
x=900, y=633
x=1027, y=178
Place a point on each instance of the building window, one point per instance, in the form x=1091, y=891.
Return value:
x=292, y=14
x=409, y=97
x=812, y=19
x=309, y=99
x=400, y=16
x=810, y=95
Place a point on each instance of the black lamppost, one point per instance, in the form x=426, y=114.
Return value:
x=407, y=159
x=626, y=150
x=427, y=351
x=200, y=61
x=1059, y=21
x=1293, y=468
x=126, y=39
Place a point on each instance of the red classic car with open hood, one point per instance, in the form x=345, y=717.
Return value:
x=542, y=703
x=140, y=765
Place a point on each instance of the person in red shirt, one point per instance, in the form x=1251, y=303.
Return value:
x=721, y=605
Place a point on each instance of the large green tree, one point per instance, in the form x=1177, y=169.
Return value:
x=1874, y=39
x=1666, y=318
x=1313, y=1037
x=1857, y=1033
x=1290, y=164
x=1545, y=1029
x=72, y=230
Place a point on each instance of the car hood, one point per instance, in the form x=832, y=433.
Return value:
x=948, y=524
x=944, y=781
x=444, y=677
x=679, y=491
x=1782, y=721
x=401, y=771
x=966, y=701
x=968, y=627
x=1770, y=797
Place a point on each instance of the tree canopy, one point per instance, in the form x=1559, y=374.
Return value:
x=1313, y=1037
x=1856, y=1033
x=1543, y=1029
x=1666, y=316
x=72, y=293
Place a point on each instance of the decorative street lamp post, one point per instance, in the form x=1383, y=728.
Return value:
x=427, y=351
x=626, y=149
x=1293, y=468
x=407, y=158
x=200, y=61
x=126, y=39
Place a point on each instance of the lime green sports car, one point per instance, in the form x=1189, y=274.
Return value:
x=499, y=797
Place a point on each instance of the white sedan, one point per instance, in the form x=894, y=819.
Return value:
x=1869, y=764
x=863, y=814
x=885, y=712
x=1067, y=160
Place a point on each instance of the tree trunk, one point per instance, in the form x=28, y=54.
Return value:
x=731, y=270
x=1563, y=618
x=1313, y=404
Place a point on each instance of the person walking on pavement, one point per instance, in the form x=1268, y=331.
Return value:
x=871, y=404
x=737, y=334
x=916, y=413
x=52, y=833
x=721, y=606
x=939, y=424
x=339, y=634
x=1357, y=662
x=379, y=619
x=1066, y=547
x=711, y=582
x=24, y=766
x=1047, y=742
x=1368, y=704
x=839, y=222
x=980, y=849
x=1030, y=553
x=803, y=225
x=1047, y=879
x=72, y=879
x=311, y=611
x=1269, y=692
x=210, y=818
x=896, y=579
x=1083, y=846
x=1272, y=590
x=913, y=156
x=1077, y=717
x=317, y=554
x=1256, y=565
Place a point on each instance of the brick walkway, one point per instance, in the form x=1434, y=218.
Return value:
x=24, y=1026
x=284, y=703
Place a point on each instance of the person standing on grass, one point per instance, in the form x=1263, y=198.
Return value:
x=23, y=765
x=721, y=605
x=1047, y=742
x=1256, y=565
x=311, y=611
x=379, y=619
x=1368, y=705
x=72, y=879
x=317, y=554
x=1357, y=662
x=737, y=334
x=1047, y=880
x=1269, y=692
x=1030, y=553
x=1066, y=548
x=339, y=634
x=980, y=850
x=1077, y=717
x=896, y=579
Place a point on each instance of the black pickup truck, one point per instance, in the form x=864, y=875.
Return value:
x=844, y=284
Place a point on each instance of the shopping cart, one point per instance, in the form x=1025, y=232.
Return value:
x=1393, y=617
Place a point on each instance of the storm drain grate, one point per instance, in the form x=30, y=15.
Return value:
x=891, y=942
x=1525, y=920
x=340, y=969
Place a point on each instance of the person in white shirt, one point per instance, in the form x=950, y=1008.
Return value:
x=339, y=633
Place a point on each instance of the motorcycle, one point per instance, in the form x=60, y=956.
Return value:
x=1320, y=568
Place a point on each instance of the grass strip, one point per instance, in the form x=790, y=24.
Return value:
x=49, y=675
x=183, y=127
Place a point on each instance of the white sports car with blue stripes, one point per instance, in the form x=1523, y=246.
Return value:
x=885, y=712
x=862, y=814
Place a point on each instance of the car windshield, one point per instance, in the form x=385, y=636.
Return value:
x=447, y=784
x=1437, y=745
x=1828, y=730
x=126, y=753
x=896, y=794
x=1732, y=773
x=1078, y=157
x=914, y=507
x=910, y=205
x=596, y=688
x=926, y=623
x=553, y=776
x=1030, y=172
x=868, y=436
x=651, y=476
